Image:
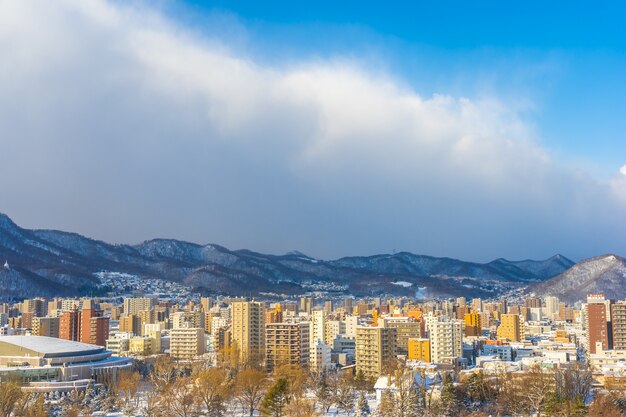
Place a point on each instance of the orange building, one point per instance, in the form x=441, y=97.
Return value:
x=419, y=350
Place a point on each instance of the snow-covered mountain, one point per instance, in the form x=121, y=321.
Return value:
x=602, y=274
x=50, y=262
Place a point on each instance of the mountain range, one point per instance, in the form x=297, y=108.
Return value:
x=51, y=262
x=603, y=274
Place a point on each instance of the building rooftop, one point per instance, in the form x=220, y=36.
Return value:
x=48, y=347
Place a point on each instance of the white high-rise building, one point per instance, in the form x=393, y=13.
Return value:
x=446, y=340
x=318, y=326
x=319, y=359
x=351, y=324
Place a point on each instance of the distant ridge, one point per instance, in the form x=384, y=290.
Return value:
x=51, y=262
x=601, y=274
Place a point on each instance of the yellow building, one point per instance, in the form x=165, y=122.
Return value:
x=473, y=324
x=248, y=329
x=140, y=346
x=509, y=328
x=419, y=350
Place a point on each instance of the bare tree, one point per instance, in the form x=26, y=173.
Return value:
x=537, y=386
x=250, y=387
x=10, y=394
x=213, y=389
x=345, y=398
x=179, y=398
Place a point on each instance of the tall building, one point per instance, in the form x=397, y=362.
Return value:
x=320, y=356
x=406, y=329
x=533, y=302
x=333, y=328
x=552, y=306
x=351, y=324
x=328, y=307
x=46, y=326
x=130, y=323
x=509, y=328
x=90, y=310
x=187, y=343
x=248, y=329
x=318, y=326
x=98, y=330
x=618, y=321
x=135, y=305
x=38, y=306
x=206, y=304
x=473, y=324
x=347, y=305
x=597, y=327
x=306, y=304
x=598, y=322
x=375, y=346
x=477, y=305
x=446, y=340
x=286, y=344
x=69, y=325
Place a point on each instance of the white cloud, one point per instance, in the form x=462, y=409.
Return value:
x=121, y=124
x=622, y=170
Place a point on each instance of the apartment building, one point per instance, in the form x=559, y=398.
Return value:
x=248, y=328
x=286, y=344
x=375, y=346
x=187, y=343
x=446, y=340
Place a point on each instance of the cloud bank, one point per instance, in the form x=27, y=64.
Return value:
x=121, y=124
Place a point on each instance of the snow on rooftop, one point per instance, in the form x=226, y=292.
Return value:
x=49, y=345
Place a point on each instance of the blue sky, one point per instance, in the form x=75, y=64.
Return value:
x=334, y=128
x=565, y=60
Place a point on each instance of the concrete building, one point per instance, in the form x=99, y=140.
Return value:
x=69, y=325
x=318, y=326
x=406, y=328
x=306, y=304
x=135, y=305
x=419, y=350
x=446, y=341
x=509, y=328
x=130, y=323
x=320, y=356
x=333, y=328
x=618, y=321
x=187, y=343
x=375, y=346
x=286, y=344
x=598, y=331
x=473, y=324
x=248, y=329
x=48, y=364
x=118, y=345
x=46, y=326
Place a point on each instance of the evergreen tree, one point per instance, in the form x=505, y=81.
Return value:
x=276, y=399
